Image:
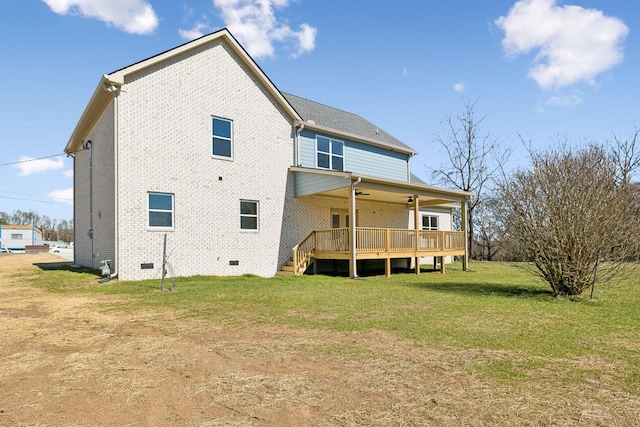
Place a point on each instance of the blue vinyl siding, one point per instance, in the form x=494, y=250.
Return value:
x=306, y=183
x=359, y=158
x=307, y=150
x=376, y=162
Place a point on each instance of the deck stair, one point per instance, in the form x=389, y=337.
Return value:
x=288, y=269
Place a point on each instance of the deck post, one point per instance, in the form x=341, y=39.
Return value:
x=387, y=264
x=353, y=265
x=294, y=258
x=416, y=226
x=465, y=258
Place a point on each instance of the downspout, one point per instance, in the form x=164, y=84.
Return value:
x=296, y=145
x=75, y=229
x=115, y=186
x=89, y=146
x=352, y=226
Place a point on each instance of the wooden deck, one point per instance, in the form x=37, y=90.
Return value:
x=376, y=243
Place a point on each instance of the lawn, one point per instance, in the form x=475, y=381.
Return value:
x=495, y=307
x=560, y=360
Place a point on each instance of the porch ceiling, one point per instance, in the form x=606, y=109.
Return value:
x=338, y=184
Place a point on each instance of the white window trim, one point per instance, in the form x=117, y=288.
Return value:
x=330, y=153
x=430, y=216
x=256, y=216
x=173, y=212
x=217, y=156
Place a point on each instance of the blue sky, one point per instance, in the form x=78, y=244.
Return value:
x=543, y=69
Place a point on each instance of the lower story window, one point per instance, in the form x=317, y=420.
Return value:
x=16, y=236
x=249, y=215
x=429, y=222
x=161, y=210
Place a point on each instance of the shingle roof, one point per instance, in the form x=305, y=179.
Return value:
x=342, y=121
x=416, y=179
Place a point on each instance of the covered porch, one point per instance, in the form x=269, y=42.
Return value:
x=351, y=242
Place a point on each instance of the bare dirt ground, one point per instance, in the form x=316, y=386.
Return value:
x=65, y=363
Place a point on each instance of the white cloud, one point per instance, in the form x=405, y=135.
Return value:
x=573, y=44
x=68, y=173
x=459, y=87
x=562, y=101
x=565, y=100
x=255, y=25
x=62, y=196
x=199, y=29
x=30, y=166
x=132, y=16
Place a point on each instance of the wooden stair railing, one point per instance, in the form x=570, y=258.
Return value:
x=302, y=254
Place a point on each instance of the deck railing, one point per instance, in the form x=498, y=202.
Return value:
x=387, y=241
x=302, y=253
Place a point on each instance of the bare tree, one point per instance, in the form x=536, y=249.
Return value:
x=626, y=156
x=65, y=230
x=490, y=230
x=473, y=159
x=568, y=213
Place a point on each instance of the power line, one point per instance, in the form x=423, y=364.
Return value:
x=35, y=200
x=32, y=160
x=13, y=192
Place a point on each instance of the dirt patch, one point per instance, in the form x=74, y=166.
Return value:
x=63, y=362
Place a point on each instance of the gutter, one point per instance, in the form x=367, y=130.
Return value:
x=357, y=138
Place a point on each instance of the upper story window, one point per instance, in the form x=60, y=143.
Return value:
x=330, y=153
x=222, y=137
x=429, y=222
x=161, y=210
x=16, y=236
x=248, y=215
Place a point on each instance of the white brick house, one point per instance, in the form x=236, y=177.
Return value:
x=197, y=144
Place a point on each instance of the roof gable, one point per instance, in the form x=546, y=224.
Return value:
x=110, y=84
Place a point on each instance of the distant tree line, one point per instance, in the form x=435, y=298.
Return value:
x=52, y=229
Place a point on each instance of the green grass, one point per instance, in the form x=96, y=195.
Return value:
x=495, y=308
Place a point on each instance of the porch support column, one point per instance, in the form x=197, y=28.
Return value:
x=416, y=226
x=463, y=226
x=387, y=263
x=353, y=266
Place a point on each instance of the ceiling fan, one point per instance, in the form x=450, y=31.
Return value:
x=360, y=193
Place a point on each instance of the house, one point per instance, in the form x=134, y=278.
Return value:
x=197, y=147
x=18, y=237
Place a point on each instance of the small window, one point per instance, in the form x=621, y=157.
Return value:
x=222, y=137
x=248, y=215
x=330, y=153
x=161, y=210
x=429, y=222
x=335, y=220
x=16, y=237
